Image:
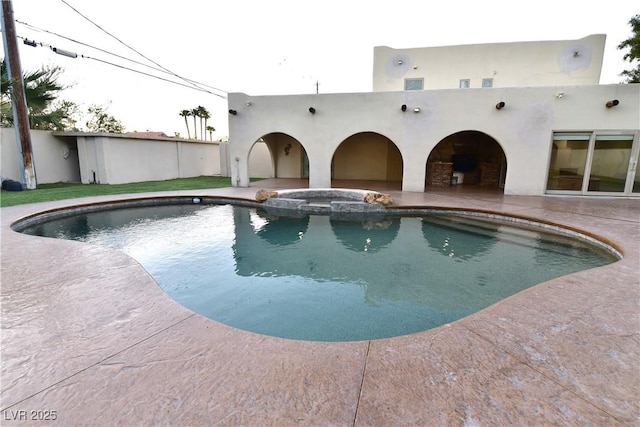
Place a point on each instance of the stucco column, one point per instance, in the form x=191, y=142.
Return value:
x=239, y=159
x=413, y=176
x=319, y=169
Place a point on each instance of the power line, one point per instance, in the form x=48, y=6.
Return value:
x=74, y=55
x=162, y=70
x=126, y=45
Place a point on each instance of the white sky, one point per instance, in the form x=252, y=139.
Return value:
x=267, y=47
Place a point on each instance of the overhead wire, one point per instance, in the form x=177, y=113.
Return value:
x=66, y=53
x=125, y=44
x=189, y=83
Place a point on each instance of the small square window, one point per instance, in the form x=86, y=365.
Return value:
x=465, y=84
x=413, y=84
x=487, y=82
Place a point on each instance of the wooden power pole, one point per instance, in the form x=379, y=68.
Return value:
x=18, y=101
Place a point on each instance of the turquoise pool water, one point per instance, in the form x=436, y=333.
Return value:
x=324, y=278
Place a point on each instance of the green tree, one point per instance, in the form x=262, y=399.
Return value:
x=211, y=130
x=203, y=114
x=633, y=55
x=101, y=121
x=185, y=114
x=195, y=113
x=41, y=91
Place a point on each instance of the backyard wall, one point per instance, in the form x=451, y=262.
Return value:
x=112, y=158
x=117, y=159
x=55, y=159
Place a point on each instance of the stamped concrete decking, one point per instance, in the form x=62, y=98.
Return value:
x=88, y=335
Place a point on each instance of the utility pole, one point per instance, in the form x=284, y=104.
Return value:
x=18, y=100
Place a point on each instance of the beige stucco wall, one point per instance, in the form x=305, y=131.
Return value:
x=117, y=159
x=524, y=128
x=519, y=64
x=55, y=159
x=260, y=164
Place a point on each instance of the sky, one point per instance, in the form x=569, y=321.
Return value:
x=272, y=47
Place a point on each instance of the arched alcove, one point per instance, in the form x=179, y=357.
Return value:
x=367, y=156
x=468, y=158
x=278, y=155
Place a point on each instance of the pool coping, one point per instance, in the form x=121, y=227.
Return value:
x=563, y=352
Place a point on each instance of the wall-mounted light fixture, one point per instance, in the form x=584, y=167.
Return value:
x=416, y=110
x=403, y=107
x=500, y=105
x=400, y=62
x=233, y=112
x=249, y=104
x=559, y=95
x=612, y=103
x=287, y=148
x=312, y=110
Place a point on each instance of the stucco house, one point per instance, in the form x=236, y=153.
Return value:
x=526, y=118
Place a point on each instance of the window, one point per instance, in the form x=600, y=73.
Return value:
x=465, y=84
x=487, y=82
x=413, y=84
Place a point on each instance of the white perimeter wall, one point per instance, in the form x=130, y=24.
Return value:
x=119, y=159
x=111, y=158
x=55, y=159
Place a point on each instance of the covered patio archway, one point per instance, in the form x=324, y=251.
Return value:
x=467, y=158
x=367, y=156
x=278, y=155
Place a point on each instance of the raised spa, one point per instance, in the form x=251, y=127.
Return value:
x=327, y=277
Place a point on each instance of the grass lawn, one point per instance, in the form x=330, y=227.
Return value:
x=61, y=191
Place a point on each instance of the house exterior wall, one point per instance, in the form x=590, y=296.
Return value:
x=55, y=159
x=520, y=64
x=523, y=128
x=260, y=164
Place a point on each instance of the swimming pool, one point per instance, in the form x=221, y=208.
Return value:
x=328, y=277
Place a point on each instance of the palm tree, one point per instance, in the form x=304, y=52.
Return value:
x=195, y=113
x=204, y=114
x=41, y=91
x=185, y=114
x=211, y=130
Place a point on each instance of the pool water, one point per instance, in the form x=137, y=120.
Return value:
x=326, y=279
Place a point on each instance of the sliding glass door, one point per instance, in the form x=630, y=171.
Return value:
x=594, y=163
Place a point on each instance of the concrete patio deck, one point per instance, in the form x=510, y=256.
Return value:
x=87, y=335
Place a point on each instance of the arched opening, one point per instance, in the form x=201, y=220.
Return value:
x=278, y=155
x=467, y=159
x=368, y=156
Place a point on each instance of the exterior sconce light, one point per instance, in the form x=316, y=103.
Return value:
x=612, y=103
x=416, y=110
x=500, y=105
x=287, y=148
x=249, y=104
x=233, y=112
x=403, y=107
x=312, y=110
x=576, y=53
x=559, y=95
x=400, y=62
